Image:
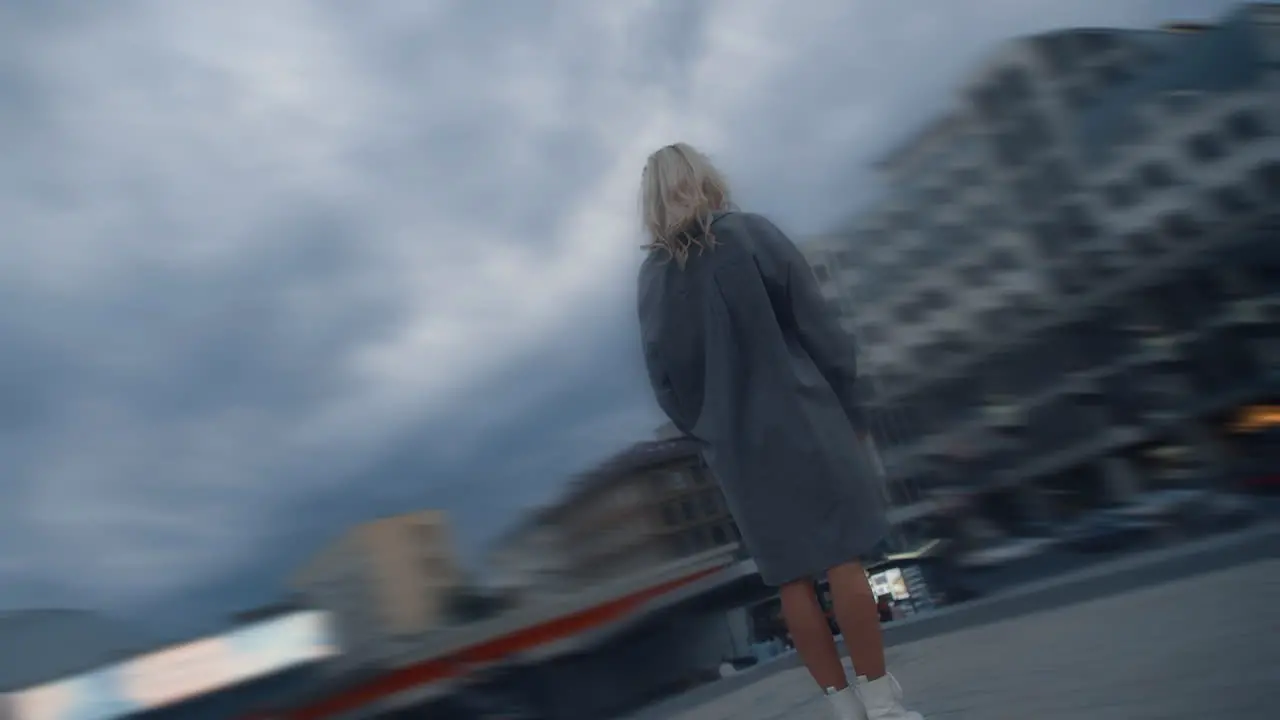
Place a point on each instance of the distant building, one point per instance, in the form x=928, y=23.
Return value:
x=1073, y=267
x=384, y=580
x=528, y=561
x=647, y=506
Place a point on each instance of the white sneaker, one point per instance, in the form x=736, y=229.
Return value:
x=845, y=705
x=882, y=699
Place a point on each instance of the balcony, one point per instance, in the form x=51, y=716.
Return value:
x=1164, y=396
x=1005, y=417
x=1146, y=215
x=1057, y=425
x=1094, y=342
x=1252, y=312
x=1085, y=387
x=1103, y=258
x=1220, y=362
x=1157, y=351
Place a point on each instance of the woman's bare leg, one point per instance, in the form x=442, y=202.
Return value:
x=812, y=635
x=855, y=611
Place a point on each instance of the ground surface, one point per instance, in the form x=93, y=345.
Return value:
x=1206, y=647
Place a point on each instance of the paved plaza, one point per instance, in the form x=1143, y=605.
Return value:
x=1206, y=647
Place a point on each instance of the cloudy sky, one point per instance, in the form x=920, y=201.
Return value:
x=268, y=267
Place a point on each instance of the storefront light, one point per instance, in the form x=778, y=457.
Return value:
x=1257, y=417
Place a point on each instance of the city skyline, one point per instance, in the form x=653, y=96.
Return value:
x=292, y=279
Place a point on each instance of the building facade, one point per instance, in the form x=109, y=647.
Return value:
x=1071, y=280
x=650, y=505
x=383, y=581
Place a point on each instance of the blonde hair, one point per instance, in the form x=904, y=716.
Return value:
x=680, y=191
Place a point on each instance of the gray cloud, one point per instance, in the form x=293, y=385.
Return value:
x=272, y=267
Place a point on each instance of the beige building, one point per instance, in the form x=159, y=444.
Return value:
x=385, y=580
x=647, y=506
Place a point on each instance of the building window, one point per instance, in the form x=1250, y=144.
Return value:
x=950, y=343
x=1057, y=54
x=1077, y=222
x=1077, y=97
x=1016, y=85
x=986, y=215
x=923, y=356
x=910, y=313
x=1181, y=101
x=933, y=300
x=1144, y=243
x=1057, y=179
x=1245, y=126
x=1068, y=280
x=1156, y=176
x=1048, y=238
x=1003, y=260
x=429, y=535
x=1146, y=55
x=670, y=515
x=1231, y=201
x=1131, y=129
x=821, y=272
x=924, y=257
x=874, y=334
x=1205, y=148
x=1035, y=133
x=1268, y=178
x=968, y=177
x=890, y=379
x=1113, y=74
x=719, y=536
x=1121, y=195
x=710, y=508
x=974, y=275
x=1095, y=41
x=686, y=510
x=1029, y=193
x=1181, y=226
x=700, y=474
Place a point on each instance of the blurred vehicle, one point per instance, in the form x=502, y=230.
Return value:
x=1008, y=551
x=472, y=705
x=1223, y=511
x=1109, y=530
x=1263, y=484
x=1163, y=503
x=1194, y=509
x=1157, y=513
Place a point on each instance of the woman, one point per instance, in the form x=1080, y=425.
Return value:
x=745, y=358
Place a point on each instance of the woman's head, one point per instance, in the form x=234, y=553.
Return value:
x=680, y=189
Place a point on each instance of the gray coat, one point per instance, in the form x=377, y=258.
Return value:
x=746, y=358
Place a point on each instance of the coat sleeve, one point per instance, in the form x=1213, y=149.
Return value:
x=833, y=350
